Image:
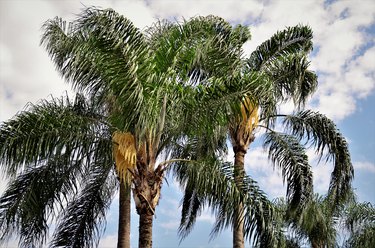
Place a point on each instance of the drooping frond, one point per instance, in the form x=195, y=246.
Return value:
x=46, y=151
x=104, y=55
x=125, y=154
x=211, y=183
x=321, y=132
x=49, y=129
x=316, y=223
x=27, y=205
x=287, y=153
x=192, y=206
x=83, y=221
x=291, y=78
x=291, y=40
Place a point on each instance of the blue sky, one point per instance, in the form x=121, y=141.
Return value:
x=343, y=57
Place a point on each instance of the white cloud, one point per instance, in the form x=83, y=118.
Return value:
x=262, y=170
x=322, y=177
x=206, y=216
x=365, y=166
x=108, y=241
x=170, y=224
x=239, y=11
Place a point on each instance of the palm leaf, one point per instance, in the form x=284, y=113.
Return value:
x=291, y=40
x=31, y=199
x=359, y=221
x=212, y=184
x=49, y=129
x=82, y=223
x=321, y=132
x=286, y=152
x=291, y=78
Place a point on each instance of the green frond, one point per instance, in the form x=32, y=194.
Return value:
x=192, y=206
x=84, y=219
x=102, y=54
x=287, y=153
x=198, y=48
x=291, y=40
x=214, y=186
x=46, y=151
x=31, y=199
x=291, y=78
x=321, y=132
x=359, y=214
x=317, y=223
x=360, y=222
x=49, y=129
x=365, y=238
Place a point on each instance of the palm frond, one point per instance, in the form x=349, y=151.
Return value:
x=214, y=186
x=321, y=132
x=82, y=223
x=360, y=222
x=291, y=78
x=365, y=238
x=102, y=54
x=31, y=200
x=192, y=207
x=291, y=40
x=199, y=47
x=287, y=153
x=49, y=129
x=316, y=223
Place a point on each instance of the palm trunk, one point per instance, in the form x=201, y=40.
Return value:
x=124, y=216
x=238, y=225
x=145, y=230
x=146, y=193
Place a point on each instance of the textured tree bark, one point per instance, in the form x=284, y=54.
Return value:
x=238, y=225
x=146, y=192
x=145, y=230
x=123, y=240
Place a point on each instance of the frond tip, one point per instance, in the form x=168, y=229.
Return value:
x=125, y=154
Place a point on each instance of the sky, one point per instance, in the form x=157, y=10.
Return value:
x=343, y=57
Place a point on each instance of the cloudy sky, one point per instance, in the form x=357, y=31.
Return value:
x=343, y=57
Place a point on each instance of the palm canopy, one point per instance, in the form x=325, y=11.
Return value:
x=58, y=153
x=281, y=65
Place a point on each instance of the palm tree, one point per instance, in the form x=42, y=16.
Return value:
x=320, y=223
x=359, y=220
x=315, y=225
x=282, y=63
x=136, y=96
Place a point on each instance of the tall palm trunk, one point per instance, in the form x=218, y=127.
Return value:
x=238, y=226
x=124, y=216
x=241, y=139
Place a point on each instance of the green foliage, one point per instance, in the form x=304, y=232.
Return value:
x=178, y=84
x=360, y=222
x=286, y=152
x=48, y=151
x=323, y=134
